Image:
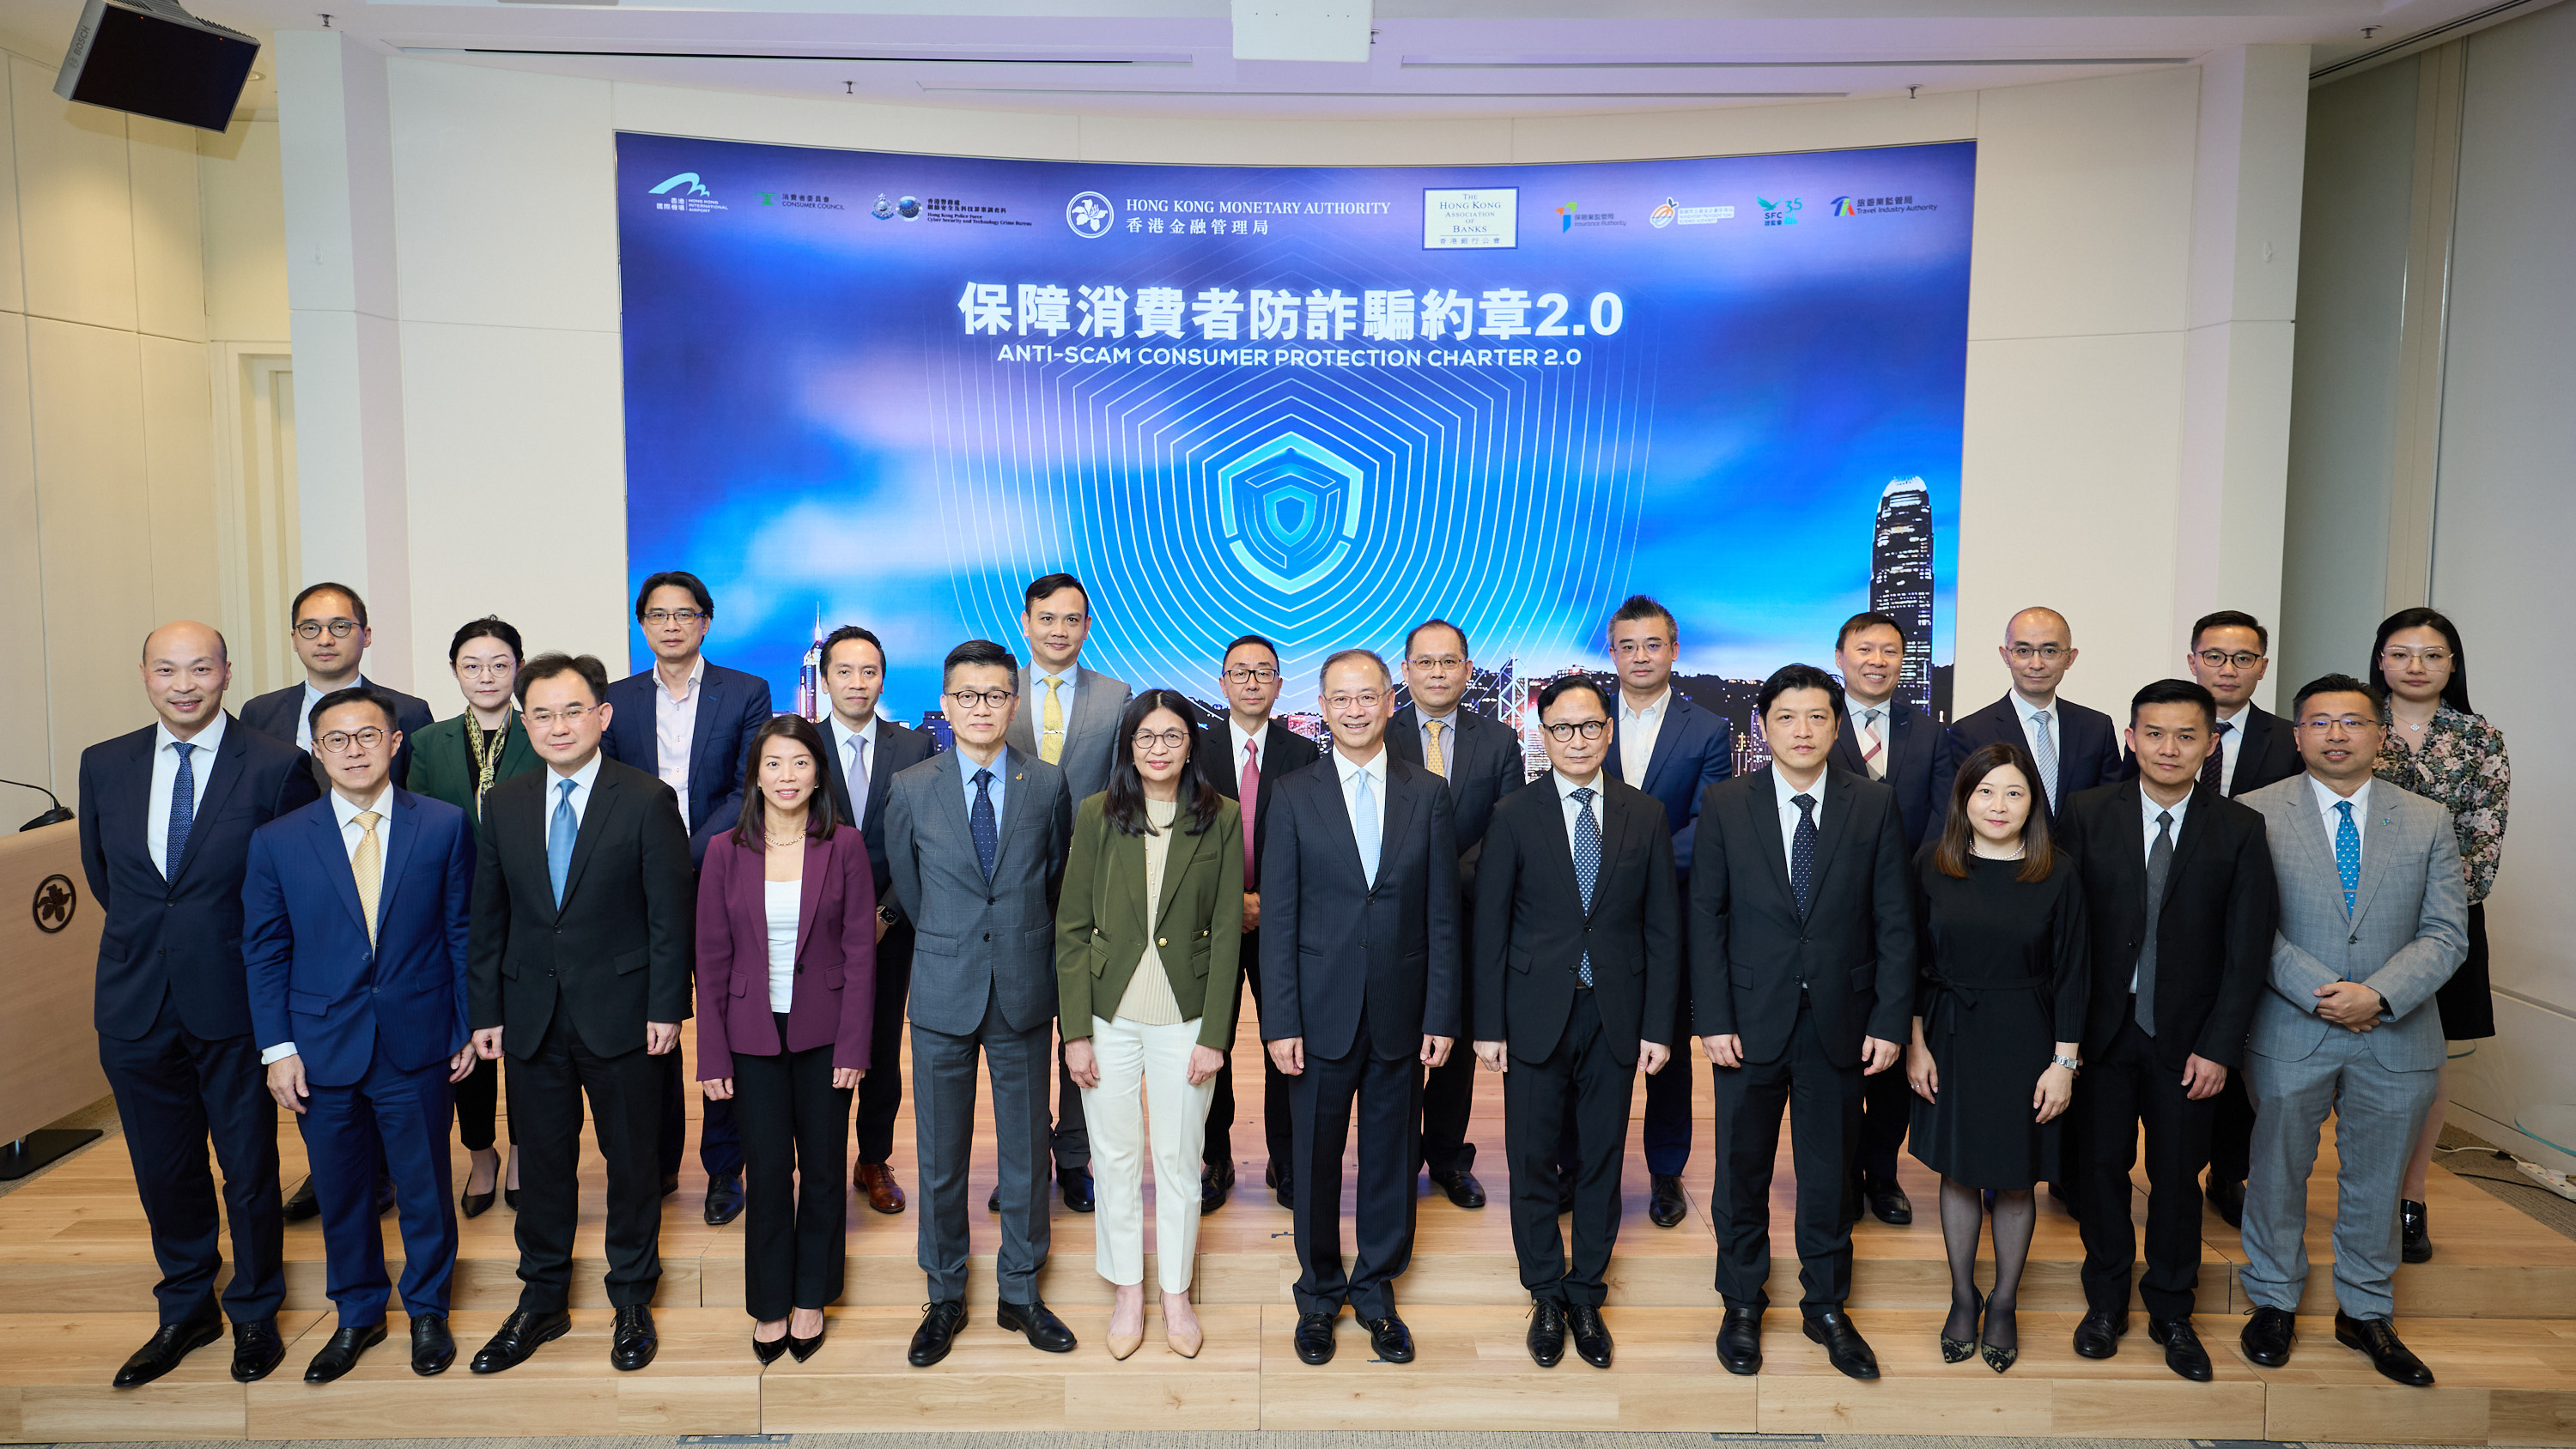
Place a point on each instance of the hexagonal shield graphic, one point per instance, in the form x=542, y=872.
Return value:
x=1290, y=509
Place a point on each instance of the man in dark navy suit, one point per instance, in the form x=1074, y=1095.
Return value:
x=871, y=750
x=1480, y=757
x=328, y=627
x=2254, y=748
x=1886, y=739
x=354, y=933
x=689, y=723
x=2082, y=744
x=166, y=815
x=1673, y=750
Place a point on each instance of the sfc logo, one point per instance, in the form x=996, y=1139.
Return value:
x=1290, y=510
x=1090, y=215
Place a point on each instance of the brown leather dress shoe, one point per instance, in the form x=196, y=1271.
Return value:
x=876, y=1181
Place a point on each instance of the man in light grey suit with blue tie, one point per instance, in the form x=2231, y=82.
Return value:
x=975, y=842
x=2373, y=920
x=1068, y=717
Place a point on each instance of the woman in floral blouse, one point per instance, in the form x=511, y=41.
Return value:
x=2439, y=748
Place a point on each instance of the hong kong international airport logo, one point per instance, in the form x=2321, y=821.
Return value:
x=1290, y=510
x=1090, y=215
x=685, y=192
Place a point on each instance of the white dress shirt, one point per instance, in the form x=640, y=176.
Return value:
x=1063, y=699
x=2231, y=743
x=1448, y=723
x=1375, y=770
x=1860, y=727
x=2148, y=810
x=582, y=779
x=782, y=900
x=165, y=774
x=675, y=732
x=351, y=833
x=860, y=778
x=1787, y=794
x=1637, y=731
x=2023, y=709
x=1571, y=809
x=1242, y=742
x=2327, y=800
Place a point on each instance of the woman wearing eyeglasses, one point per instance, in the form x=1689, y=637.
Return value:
x=1149, y=929
x=2439, y=748
x=457, y=760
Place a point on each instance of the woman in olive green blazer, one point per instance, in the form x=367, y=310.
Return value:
x=1149, y=927
x=456, y=760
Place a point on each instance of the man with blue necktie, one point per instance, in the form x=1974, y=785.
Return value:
x=2076, y=748
x=353, y=931
x=165, y=827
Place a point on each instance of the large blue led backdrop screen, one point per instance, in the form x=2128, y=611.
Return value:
x=1316, y=404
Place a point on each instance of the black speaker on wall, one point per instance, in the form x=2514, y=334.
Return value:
x=151, y=58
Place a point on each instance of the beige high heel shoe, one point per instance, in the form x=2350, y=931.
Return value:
x=1183, y=1340
x=1123, y=1344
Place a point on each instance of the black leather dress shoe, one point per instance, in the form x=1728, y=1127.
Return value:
x=2183, y=1353
x=518, y=1339
x=301, y=1203
x=1463, y=1188
x=724, y=1199
x=670, y=1183
x=993, y=1204
x=432, y=1348
x=1666, y=1207
x=805, y=1348
x=1037, y=1322
x=2228, y=1197
x=1739, y=1342
x=1546, y=1335
x=1073, y=1184
x=168, y=1344
x=1844, y=1347
x=2267, y=1336
x=2415, y=1233
x=633, y=1343
x=1314, y=1337
x=938, y=1331
x=1887, y=1202
x=510, y=1198
x=1216, y=1184
x=257, y=1350
x=1392, y=1340
x=1281, y=1184
x=1591, y=1335
x=474, y=1204
x=769, y=1352
x=341, y=1354
x=2098, y=1336
x=2377, y=1337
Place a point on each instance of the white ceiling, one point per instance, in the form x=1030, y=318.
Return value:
x=1429, y=57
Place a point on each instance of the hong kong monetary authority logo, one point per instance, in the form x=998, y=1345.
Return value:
x=1090, y=215
x=1290, y=509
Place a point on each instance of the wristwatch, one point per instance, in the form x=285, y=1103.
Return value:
x=2070, y=1063
x=886, y=914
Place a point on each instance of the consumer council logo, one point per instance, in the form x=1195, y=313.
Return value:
x=1662, y=216
x=1090, y=215
x=1290, y=510
x=685, y=192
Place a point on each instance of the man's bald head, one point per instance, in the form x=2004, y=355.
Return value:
x=2038, y=624
x=2038, y=648
x=185, y=672
x=183, y=639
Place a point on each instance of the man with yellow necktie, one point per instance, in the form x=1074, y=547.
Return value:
x=354, y=913
x=1068, y=717
x=1480, y=757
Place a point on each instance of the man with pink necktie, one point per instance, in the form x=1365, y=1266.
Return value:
x=1260, y=750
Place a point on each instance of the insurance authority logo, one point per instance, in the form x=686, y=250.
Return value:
x=1090, y=215
x=1290, y=509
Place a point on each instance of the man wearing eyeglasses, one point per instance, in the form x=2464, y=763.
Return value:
x=353, y=936
x=1262, y=752
x=2374, y=918
x=690, y=722
x=975, y=842
x=328, y=627
x=1577, y=943
x=1480, y=757
x=2076, y=748
x=2254, y=748
x=1359, y=992
x=330, y=635
x=577, y=965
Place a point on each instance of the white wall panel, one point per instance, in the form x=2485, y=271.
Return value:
x=169, y=250
x=26, y=725
x=1747, y=130
x=13, y=281
x=75, y=213
x=243, y=193
x=860, y=126
x=178, y=461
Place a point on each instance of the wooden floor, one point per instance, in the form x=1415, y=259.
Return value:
x=2494, y=1315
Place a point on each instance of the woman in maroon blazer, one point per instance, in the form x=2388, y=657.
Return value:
x=787, y=933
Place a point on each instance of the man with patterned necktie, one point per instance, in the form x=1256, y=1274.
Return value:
x=1067, y=716
x=2374, y=918
x=165, y=826
x=578, y=966
x=353, y=933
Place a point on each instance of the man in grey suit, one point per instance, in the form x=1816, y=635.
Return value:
x=1070, y=721
x=975, y=839
x=2373, y=921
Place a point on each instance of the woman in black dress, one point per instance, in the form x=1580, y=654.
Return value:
x=1998, y=1013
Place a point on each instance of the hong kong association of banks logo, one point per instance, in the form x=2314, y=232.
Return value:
x=1290, y=510
x=1090, y=215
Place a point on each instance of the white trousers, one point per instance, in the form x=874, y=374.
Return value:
x=1141, y=1068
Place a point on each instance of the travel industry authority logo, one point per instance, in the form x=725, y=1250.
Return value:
x=685, y=192
x=1290, y=511
x=1090, y=215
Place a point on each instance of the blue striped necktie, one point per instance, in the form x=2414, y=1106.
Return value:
x=183, y=812
x=1587, y=865
x=559, y=838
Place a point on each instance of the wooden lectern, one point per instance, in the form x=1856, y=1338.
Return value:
x=48, y=972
